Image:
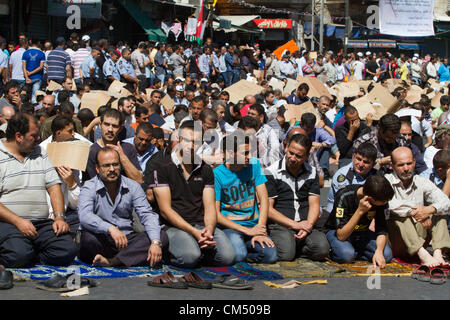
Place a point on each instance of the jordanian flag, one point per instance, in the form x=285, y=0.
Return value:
x=200, y=29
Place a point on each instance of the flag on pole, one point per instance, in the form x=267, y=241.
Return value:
x=200, y=28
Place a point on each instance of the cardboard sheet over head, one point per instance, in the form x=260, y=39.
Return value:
x=73, y=154
x=94, y=100
x=294, y=111
x=242, y=88
x=316, y=87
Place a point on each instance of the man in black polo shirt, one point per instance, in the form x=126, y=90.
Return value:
x=347, y=133
x=111, y=122
x=184, y=190
x=294, y=199
x=354, y=209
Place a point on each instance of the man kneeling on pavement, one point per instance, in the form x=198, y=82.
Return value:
x=105, y=209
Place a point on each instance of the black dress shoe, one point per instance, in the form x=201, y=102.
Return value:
x=6, y=279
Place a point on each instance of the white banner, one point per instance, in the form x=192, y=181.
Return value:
x=406, y=18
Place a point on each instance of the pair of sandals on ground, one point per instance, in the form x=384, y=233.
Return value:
x=168, y=280
x=435, y=275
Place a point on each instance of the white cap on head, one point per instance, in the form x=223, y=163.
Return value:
x=204, y=80
x=179, y=88
x=85, y=38
x=360, y=54
x=368, y=53
x=416, y=55
x=179, y=78
x=414, y=59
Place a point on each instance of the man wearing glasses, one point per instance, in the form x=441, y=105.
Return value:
x=105, y=208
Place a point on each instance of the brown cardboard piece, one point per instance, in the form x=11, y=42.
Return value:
x=436, y=101
x=364, y=84
x=168, y=102
x=73, y=154
x=94, y=100
x=149, y=92
x=346, y=90
x=296, y=111
x=116, y=86
x=414, y=94
x=54, y=86
x=393, y=83
x=276, y=84
x=316, y=87
x=364, y=107
x=380, y=95
x=313, y=55
x=290, y=86
x=241, y=89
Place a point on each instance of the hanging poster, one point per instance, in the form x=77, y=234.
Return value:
x=406, y=18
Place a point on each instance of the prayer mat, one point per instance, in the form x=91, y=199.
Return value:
x=44, y=272
x=305, y=268
x=242, y=270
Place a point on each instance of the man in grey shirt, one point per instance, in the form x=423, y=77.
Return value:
x=139, y=64
x=27, y=235
x=105, y=208
x=177, y=62
x=160, y=63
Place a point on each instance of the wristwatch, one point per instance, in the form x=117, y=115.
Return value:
x=62, y=215
x=157, y=242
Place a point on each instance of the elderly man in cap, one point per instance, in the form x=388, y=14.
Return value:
x=87, y=41
x=59, y=64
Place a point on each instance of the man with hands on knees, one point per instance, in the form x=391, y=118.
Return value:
x=348, y=233
x=239, y=186
x=27, y=235
x=105, y=208
x=294, y=196
x=417, y=212
x=183, y=185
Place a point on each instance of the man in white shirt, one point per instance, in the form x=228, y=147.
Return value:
x=358, y=67
x=286, y=67
x=15, y=64
x=411, y=221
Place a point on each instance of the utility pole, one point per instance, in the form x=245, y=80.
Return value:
x=321, y=27
x=347, y=26
x=312, y=24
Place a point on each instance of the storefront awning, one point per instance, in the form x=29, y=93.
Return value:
x=153, y=31
x=408, y=46
x=382, y=43
x=237, y=24
x=357, y=43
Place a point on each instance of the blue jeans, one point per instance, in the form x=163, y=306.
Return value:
x=360, y=245
x=35, y=86
x=243, y=249
x=323, y=154
x=185, y=252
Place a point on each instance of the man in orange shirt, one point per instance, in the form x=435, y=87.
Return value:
x=141, y=115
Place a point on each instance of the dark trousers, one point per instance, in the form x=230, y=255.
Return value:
x=135, y=254
x=315, y=246
x=17, y=251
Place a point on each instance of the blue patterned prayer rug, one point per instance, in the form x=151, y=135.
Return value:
x=242, y=270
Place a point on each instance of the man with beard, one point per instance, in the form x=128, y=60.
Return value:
x=111, y=122
x=142, y=143
x=105, y=209
x=412, y=223
x=183, y=185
